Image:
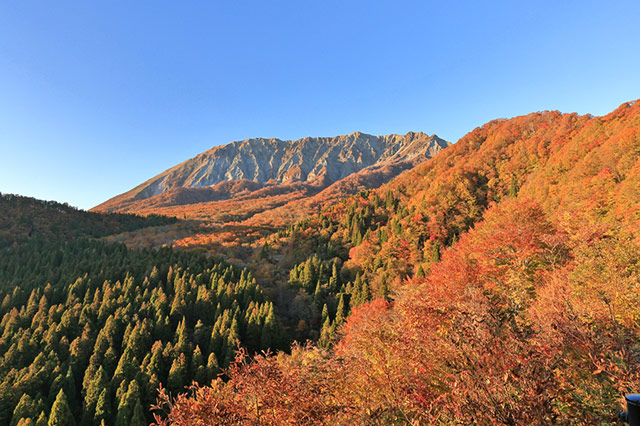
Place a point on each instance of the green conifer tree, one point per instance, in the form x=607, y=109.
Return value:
x=69, y=387
x=156, y=364
x=308, y=276
x=435, y=252
x=183, y=344
x=341, y=312
x=254, y=331
x=103, y=407
x=138, y=418
x=60, y=412
x=334, y=281
x=42, y=419
x=318, y=295
x=177, y=374
x=198, y=369
x=126, y=406
x=213, y=369
x=26, y=408
x=95, y=387
x=325, y=314
x=326, y=334
x=269, y=338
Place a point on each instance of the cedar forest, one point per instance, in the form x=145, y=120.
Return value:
x=496, y=283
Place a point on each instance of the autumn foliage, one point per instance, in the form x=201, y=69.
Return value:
x=264, y=390
x=496, y=284
x=501, y=286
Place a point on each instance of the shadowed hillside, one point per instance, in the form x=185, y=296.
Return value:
x=24, y=218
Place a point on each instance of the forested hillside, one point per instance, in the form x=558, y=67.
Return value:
x=90, y=329
x=581, y=170
x=25, y=218
x=494, y=284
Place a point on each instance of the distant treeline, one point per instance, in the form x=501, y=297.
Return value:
x=25, y=218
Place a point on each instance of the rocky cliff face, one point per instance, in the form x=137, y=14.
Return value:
x=315, y=161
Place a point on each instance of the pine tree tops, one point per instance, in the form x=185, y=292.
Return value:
x=326, y=333
x=177, y=379
x=103, y=407
x=26, y=408
x=134, y=326
x=95, y=384
x=334, y=281
x=198, y=367
x=213, y=368
x=325, y=313
x=60, y=412
x=127, y=405
x=42, y=419
x=270, y=338
x=183, y=343
x=318, y=295
x=138, y=418
x=360, y=292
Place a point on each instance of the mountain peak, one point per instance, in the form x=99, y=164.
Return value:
x=272, y=160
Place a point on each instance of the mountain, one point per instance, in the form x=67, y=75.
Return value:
x=301, y=168
x=494, y=284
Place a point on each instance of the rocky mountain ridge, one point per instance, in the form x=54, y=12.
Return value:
x=256, y=163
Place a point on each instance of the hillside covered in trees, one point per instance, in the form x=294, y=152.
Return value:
x=25, y=218
x=90, y=329
x=494, y=284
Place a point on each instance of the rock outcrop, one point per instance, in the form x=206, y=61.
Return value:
x=255, y=163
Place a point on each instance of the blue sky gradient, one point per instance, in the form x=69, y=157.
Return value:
x=96, y=97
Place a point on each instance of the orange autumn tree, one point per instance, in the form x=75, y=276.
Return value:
x=297, y=389
x=458, y=340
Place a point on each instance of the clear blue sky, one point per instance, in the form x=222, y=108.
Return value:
x=96, y=97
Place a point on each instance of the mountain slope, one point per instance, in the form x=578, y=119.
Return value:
x=97, y=325
x=25, y=218
x=494, y=284
x=254, y=163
